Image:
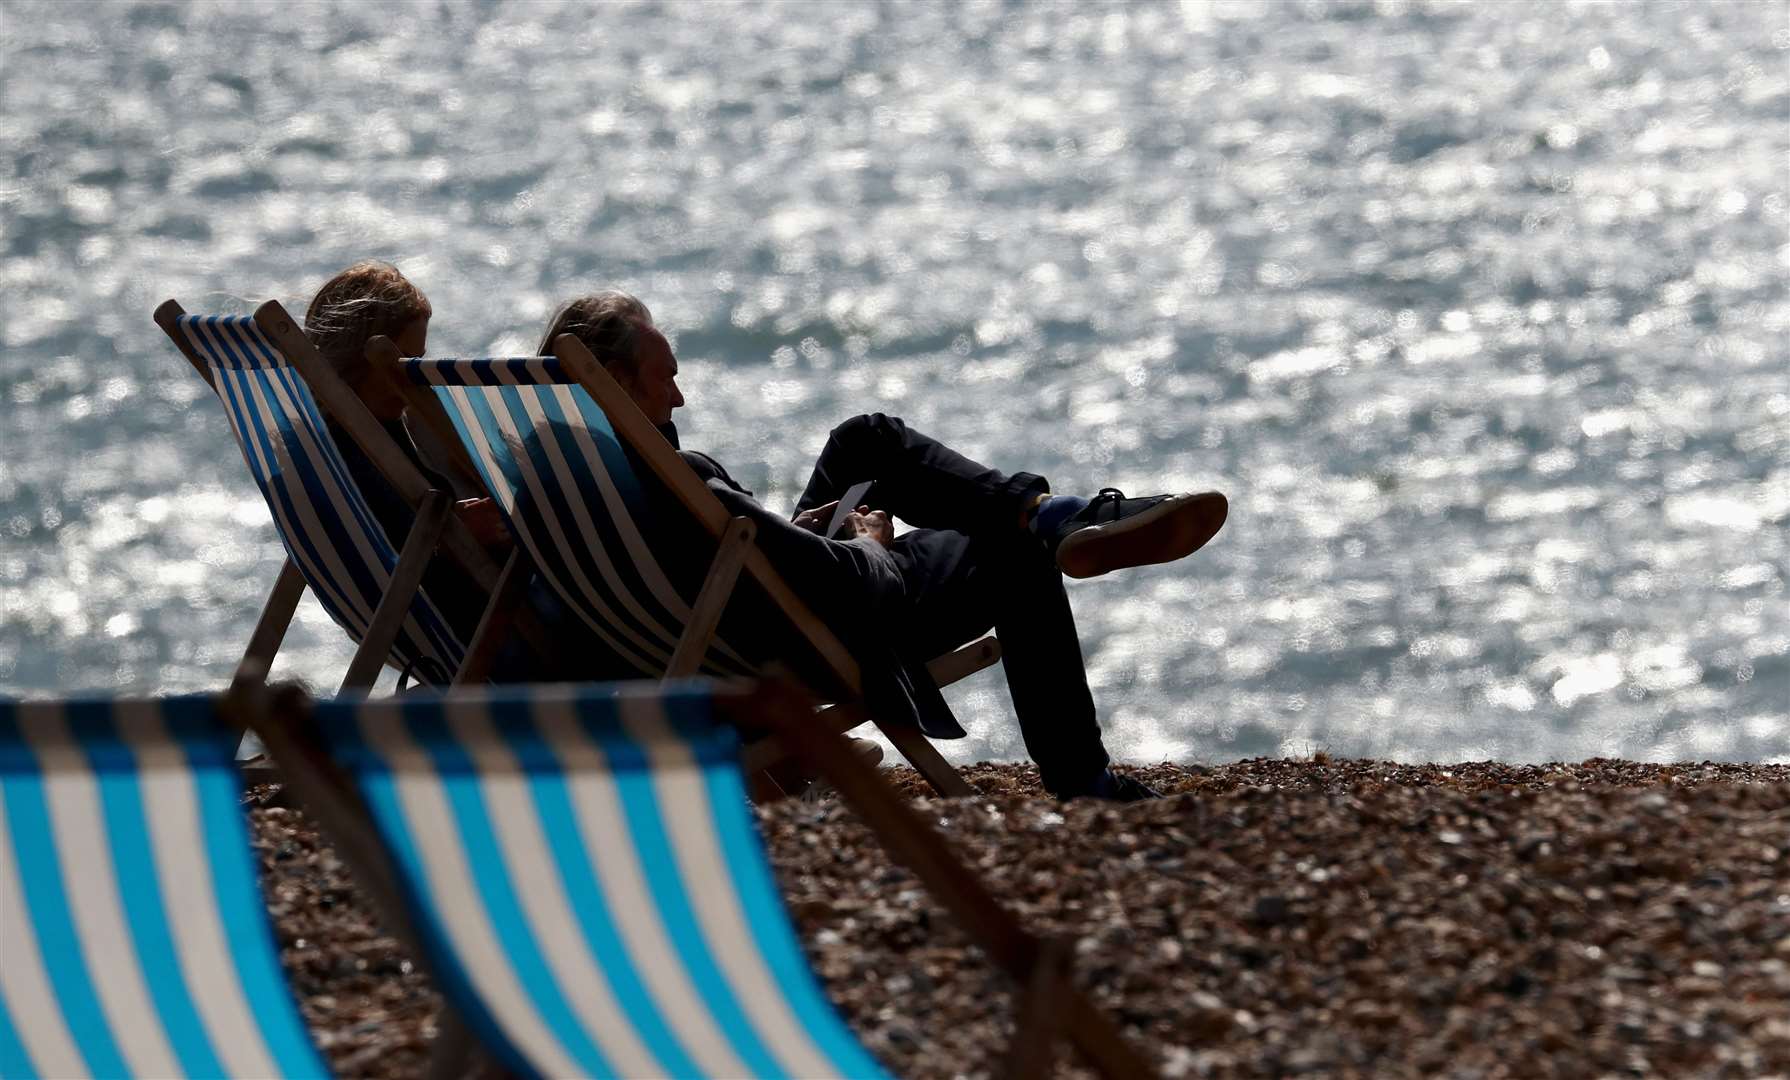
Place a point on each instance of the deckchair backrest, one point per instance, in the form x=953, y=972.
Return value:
x=323, y=520
x=570, y=494
x=134, y=937
x=581, y=865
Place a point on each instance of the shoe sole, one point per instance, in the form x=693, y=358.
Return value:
x=1172, y=529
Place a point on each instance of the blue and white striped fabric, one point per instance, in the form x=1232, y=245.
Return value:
x=582, y=863
x=133, y=937
x=326, y=525
x=553, y=462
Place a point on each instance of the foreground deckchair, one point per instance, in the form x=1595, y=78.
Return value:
x=582, y=872
x=134, y=940
x=265, y=371
x=546, y=434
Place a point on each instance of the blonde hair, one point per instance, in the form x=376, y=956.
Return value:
x=367, y=299
x=609, y=324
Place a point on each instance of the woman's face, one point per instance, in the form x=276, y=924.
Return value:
x=411, y=341
x=379, y=388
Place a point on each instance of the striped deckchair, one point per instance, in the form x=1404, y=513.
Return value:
x=582, y=872
x=264, y=371
x=554, y=465
x=134, y=939
x=547, y=436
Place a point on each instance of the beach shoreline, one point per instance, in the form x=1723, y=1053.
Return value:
x=1269, y=917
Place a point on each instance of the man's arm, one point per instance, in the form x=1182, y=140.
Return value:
x=852, y=573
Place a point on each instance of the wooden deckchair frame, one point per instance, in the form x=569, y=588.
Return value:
x=1047, y=1002
x=435, y=526
x=736, y=554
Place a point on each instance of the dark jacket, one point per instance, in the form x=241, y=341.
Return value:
x=854, y=586
x=460, y=601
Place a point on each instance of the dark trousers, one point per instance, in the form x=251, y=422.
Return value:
x=967, y=567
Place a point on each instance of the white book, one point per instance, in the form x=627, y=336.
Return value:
x=847, y=503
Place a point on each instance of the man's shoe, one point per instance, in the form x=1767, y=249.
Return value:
x=1113, y=532
x=1115, y=787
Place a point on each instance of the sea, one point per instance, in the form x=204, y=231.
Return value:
x=1477, y=312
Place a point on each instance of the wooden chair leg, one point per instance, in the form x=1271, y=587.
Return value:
x=762, y=788
x=717, y=587
x=257, y=659
x=911, y=742
x=786, y=710
x=494, y=624
x=455, y=1054
x=765, y=752
x=270, y=628
x=926, y=759
x=1039, y=1007
x=394, y=606
x=964, y=662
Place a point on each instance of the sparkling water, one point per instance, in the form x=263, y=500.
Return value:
x=1476, y=311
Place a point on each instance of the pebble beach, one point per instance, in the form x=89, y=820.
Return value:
x=1476, y=312
x=1310, y=917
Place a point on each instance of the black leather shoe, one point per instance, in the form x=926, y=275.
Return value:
x=1115, y=787
x=1113, y=532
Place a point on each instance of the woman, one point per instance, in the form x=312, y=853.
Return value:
x=369, y=299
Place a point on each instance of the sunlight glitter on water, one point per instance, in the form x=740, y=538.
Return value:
x=1476, y=311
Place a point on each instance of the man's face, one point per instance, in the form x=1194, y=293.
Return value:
x=653, y=386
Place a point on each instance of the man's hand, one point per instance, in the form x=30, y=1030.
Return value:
x=816, y=519
x=861, y=522
x=482, y=518
x=872, y=523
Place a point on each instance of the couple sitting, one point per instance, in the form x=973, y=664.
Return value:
x=988, y=549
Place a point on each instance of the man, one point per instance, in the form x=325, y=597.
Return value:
x=989, y=550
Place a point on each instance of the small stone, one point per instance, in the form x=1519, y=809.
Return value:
x=1271, y=909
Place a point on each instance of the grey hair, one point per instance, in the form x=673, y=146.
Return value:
x=607, y=322
x=367, y=299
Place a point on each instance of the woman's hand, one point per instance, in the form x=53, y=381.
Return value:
x=484, y=521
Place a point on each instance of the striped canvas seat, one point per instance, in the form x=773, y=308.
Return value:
x=329, y=532
x=553, y=462
x=133, y=938
x=583, y=870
